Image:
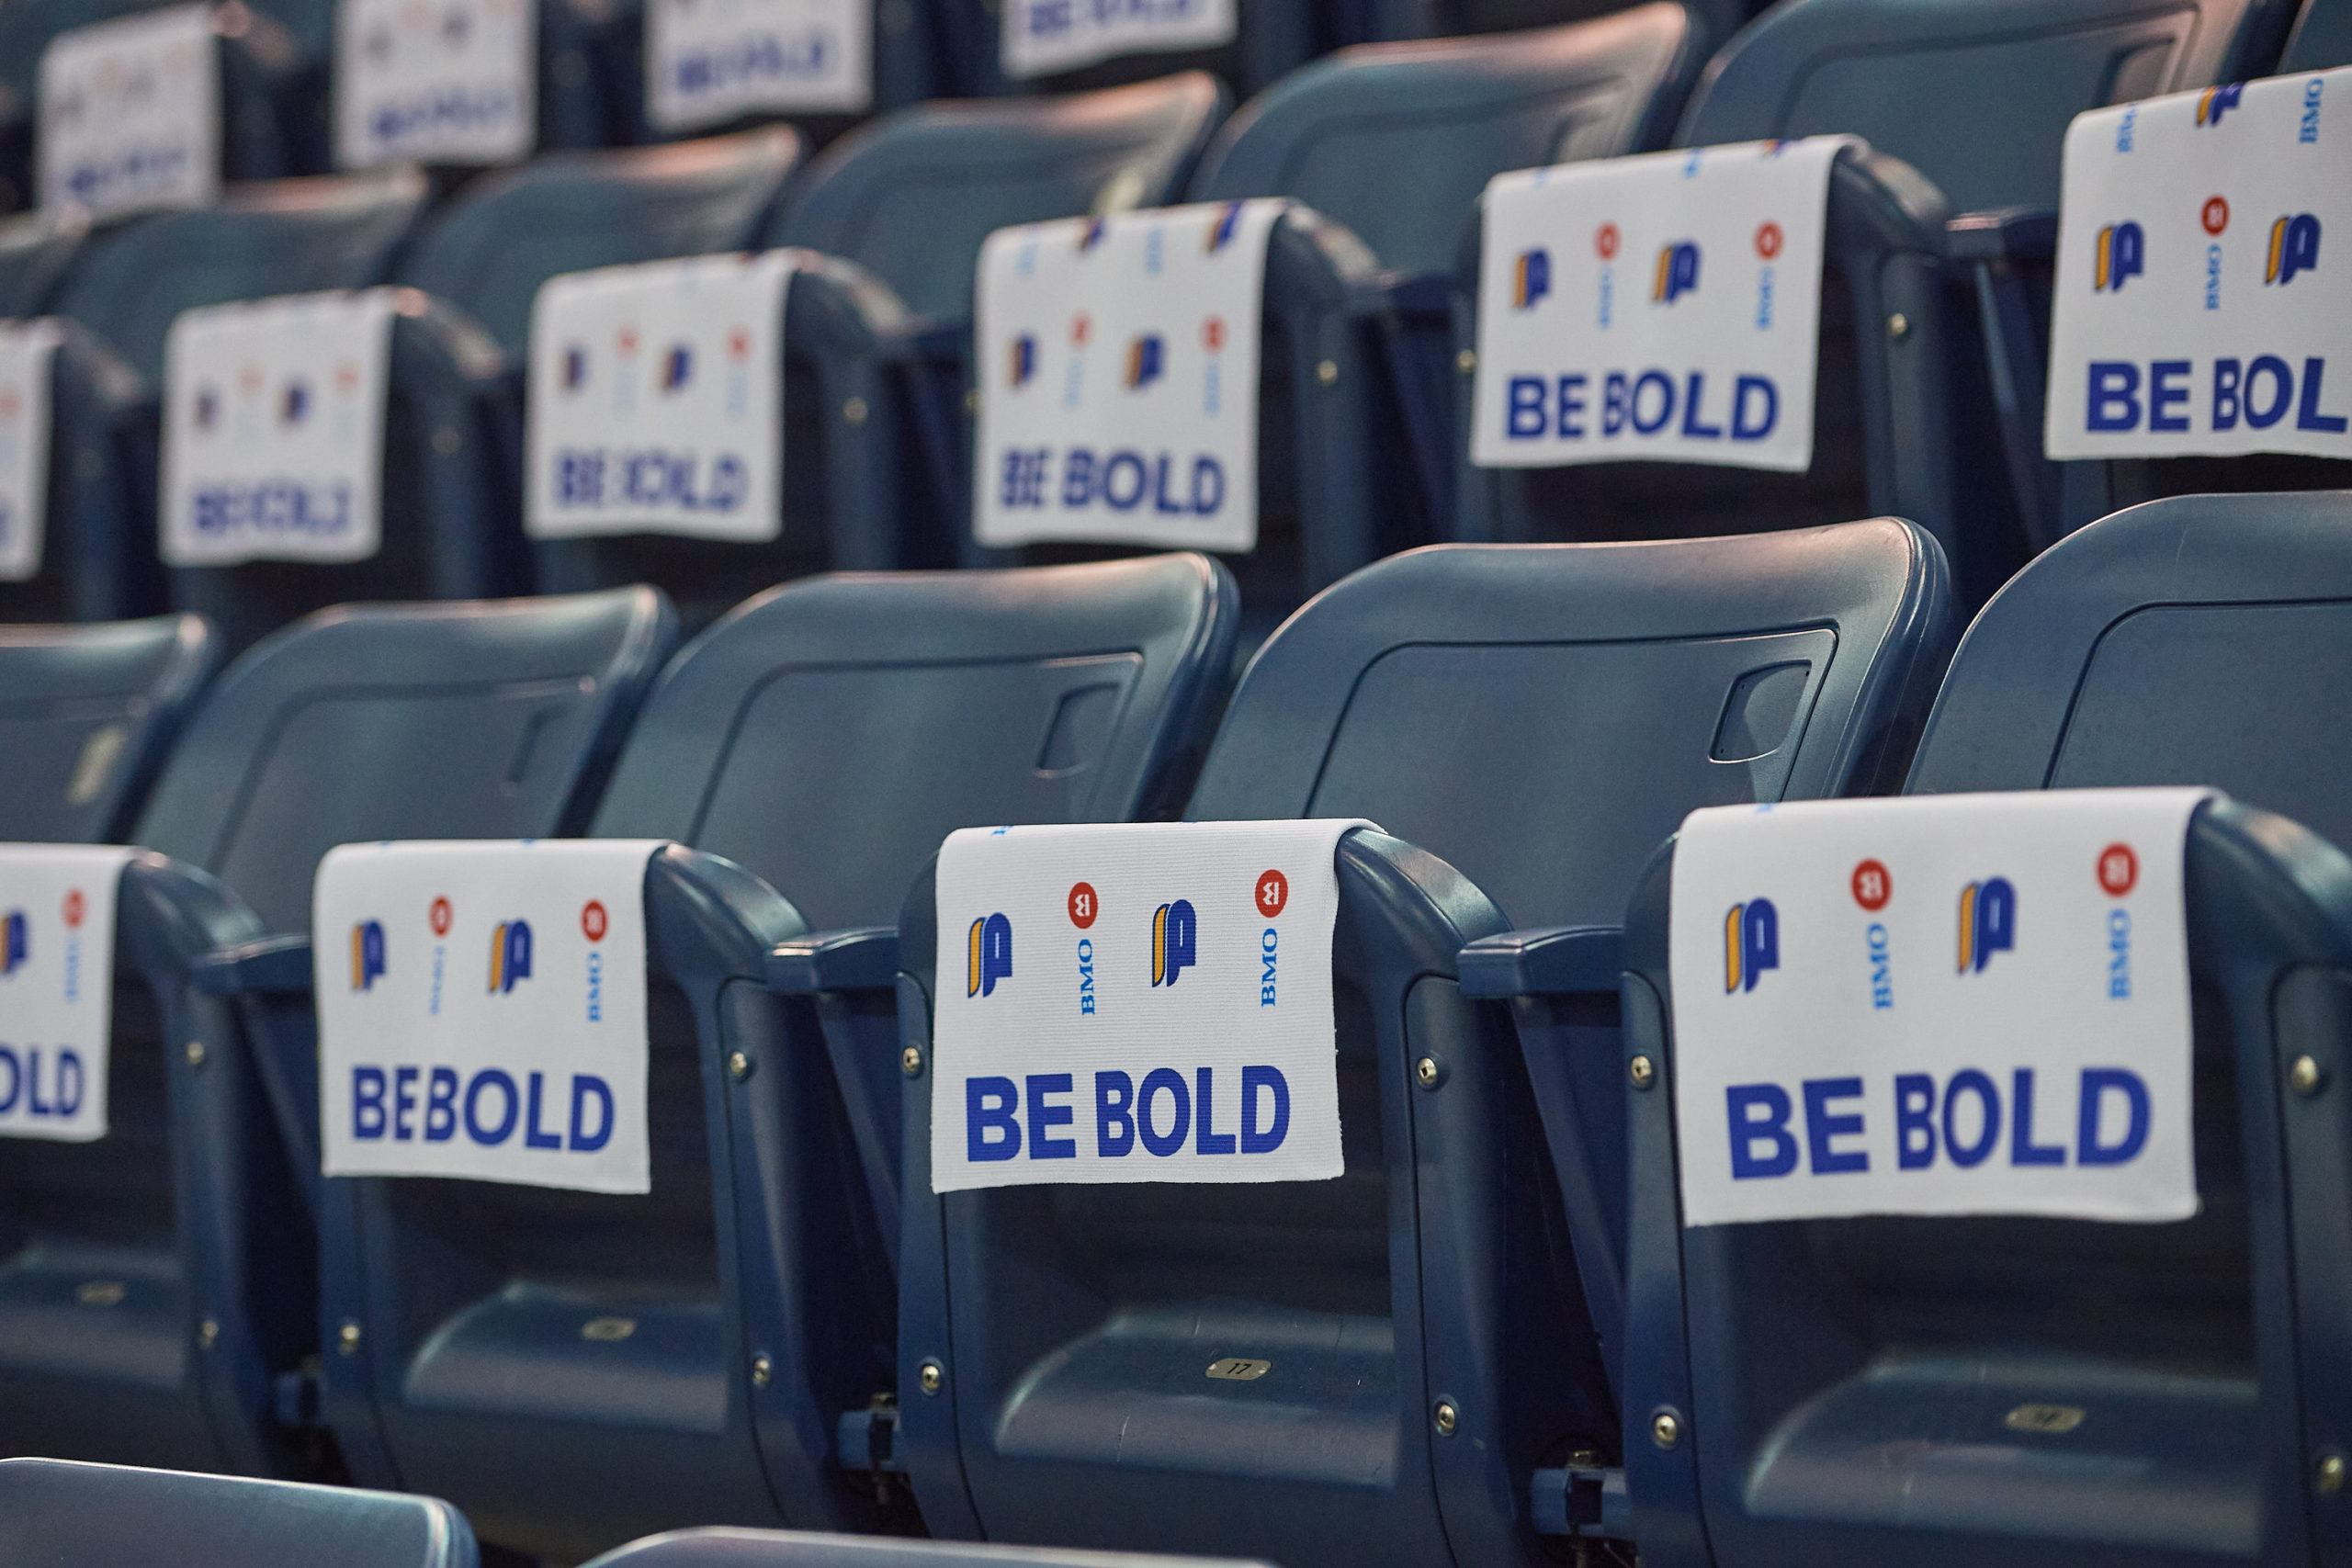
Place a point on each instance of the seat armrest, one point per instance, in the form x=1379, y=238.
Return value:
x=2006, y=233
x=863, y=959
x=1544, y=961
x=267, y=965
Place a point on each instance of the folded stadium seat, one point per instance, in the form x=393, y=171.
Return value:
x=2321, y=39
x=1907, y=418
x=911, y=197
x=104, y=1516
x=89, y=715
x=2191, y=640
x=160, y=1283
x=576, y=1369
x=1534, y=716
x=781, y=1549
x=492, y=248
x=1398, y=141
x=98, y=555
x=269, y=89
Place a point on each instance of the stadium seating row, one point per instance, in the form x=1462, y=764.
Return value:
x=1935, y=301
x=1492, y=1330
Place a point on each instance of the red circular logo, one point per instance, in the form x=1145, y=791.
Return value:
x=1604, y=239
x=1273, y=893
x=592, y=923
x=1079, y=326
x=1872, y=886
x=1213, y=333
x=1083, y=904
x=2119, y=869
x=74, y=906
x=2216, y=216
x=1768, y=240
x=440, y=916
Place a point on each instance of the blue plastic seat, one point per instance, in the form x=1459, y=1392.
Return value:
x=1843, y=1385
x=1396, y=143
x=34, y=250
x=97, y=558
x=1272, y=37
x=1523, y=721
x=1397, y=20
x=781, y=1549
x=159, y=1285
x=87, y=714
x=813, y=747
x=2321, y=39
x=101, y=1515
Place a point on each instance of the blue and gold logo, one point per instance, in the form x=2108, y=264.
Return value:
x=1023, y=353
x=2121, y=253
x=1988, y=922
x=1221, y=232
x=988, y=955
x=1175, y=932
x=510, y=955
x=14, y=941
x=1678, y=271
x=1531, y=277
x=1146, y=359
x=1751, y=943
x=2215, y=102
x=367, y=953
x=2294, y=247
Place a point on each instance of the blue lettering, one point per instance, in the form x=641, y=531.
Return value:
x=2023, y=1150
x=2162, y=393
x=1820, y=1126
x=1115, y=1114
x=2096, y=1084
x=991, y=1128
x=1265, y=1140
x=492, y=1077
x=2114, y=395
x=1044, y=1116
x=1744, y=1102
x=1209, y=1143
x=1167, y=1081
x=1915, y=1121
x=584, y=1087
x=368, y=1116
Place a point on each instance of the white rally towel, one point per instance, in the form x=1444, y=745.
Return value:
x=482, y=1011
x=2196, y=310
x=1146, y=1002
x=1665, y=308
x=1965, y=1004
x=57, y=904
x=1118, y=378
x=709, y=60
x=656, y=399
x=452, y=82
x=131, y=114
x=27, y=350
x=274, y=429
x=1043, y=36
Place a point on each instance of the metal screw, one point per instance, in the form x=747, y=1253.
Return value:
x=1448, y=1417
x=346, y=1338
x=933, y=1377
x=762, y=1371
x=1898, y=326
x=1328, y=373
x=1666, y=1429
x=972, y=400
x=195, y=1053
x=1425, y=1070
x=911, y=1061
x=853, y=410
x=208, y=1334
x=1466, y=361
x=739, y=1064
x=2304, y=1076
x=447, y=441
x=2330, y=1478
x=1640, y=1072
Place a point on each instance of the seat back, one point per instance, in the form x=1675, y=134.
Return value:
x=911, y=197
x=491, y=248
x=1398, y=141
x=783, y=1549
x=1975, y=94
x=34, y=250
x=104, y=1516
x=2321, y=39
x=481, y=721
x=87, y=714
x=277, y=237
x=97, y=558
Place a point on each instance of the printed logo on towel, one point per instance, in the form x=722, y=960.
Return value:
x=28, y=351
x=2175, y=331
x=434, y=81
x=656, y=401
x=57, y=907
x=131, y=114
x=274, y=429
x=1685, y=331
x=1127, y=412
x=1751, y=943
x=708, y=61
x=1904, y=1061
x=535, y=1077
x=1182, y=1032
x=1045, y=36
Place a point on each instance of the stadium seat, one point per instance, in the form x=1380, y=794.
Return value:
x=101, y=1515
x=781, y=1549
x=1397, y=19
x=1396, y=143
x=2321, y=39
x=817, y=743
x=98, y=559
x=159, y=1284
x=1272, y=37
x=1906, y=411
x=1524, y=721
x=90, y=712
x=1845, y=1383
x=34, y=250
